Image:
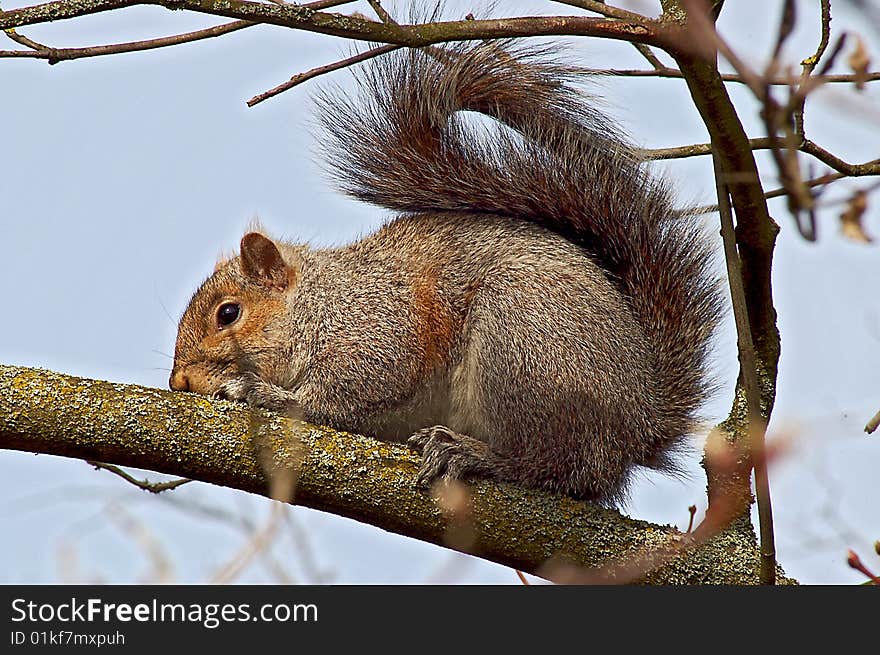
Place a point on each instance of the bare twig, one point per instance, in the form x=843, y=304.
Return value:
x=822, y=180
x=756, y=424
x=851, y=170
x=652, y=59
x=765, y=143
x=146, y=485
x=809, y=64
x=55, y=55
x=23, y=40
x=705, y=32
x=299, y=78
x=779, y=80
x=692, y=510
x=605, y=10
x=383, y=15
x=694, y=150
x=241, y=522
x=306, y=552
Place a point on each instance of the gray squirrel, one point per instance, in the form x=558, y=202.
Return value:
x=537, y=313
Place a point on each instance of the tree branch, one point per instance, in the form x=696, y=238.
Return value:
x=55, y=55
x=846, y=169
x=353, y=27
x=749, y=259
x=370, y=481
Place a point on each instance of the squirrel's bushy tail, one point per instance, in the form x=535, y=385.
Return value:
x=403, y=145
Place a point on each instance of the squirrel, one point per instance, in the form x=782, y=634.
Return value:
x=536, y=313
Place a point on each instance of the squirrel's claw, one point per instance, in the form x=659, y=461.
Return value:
x=249, y=388
x=420, y=439
x=447, y=454
x=239, y=389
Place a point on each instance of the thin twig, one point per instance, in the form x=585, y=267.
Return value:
x=853, y=170
x=780, y=80
x=756, y=424
x=809, y=64
x=692, y=511
x=299, y=78
x=694, y=150
x=23, y=40
x=306, y=552
x=652, y=59
x=146, y=485
x=55, y=55
x=383, y=15
x=781, y=191
x=606, y=10
x=765, y=143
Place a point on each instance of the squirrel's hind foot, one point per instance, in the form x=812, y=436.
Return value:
x=447, y=454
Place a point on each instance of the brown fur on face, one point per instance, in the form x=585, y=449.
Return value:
x=208, y=354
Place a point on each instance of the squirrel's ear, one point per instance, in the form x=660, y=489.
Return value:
x=262, y=262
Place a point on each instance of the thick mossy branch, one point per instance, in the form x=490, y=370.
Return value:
x=371, y=481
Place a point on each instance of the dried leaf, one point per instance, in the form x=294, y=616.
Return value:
x=859, y=61
x=851, y=219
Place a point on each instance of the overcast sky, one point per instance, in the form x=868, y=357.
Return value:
x=123, y=178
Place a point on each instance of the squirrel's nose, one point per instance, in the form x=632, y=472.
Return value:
x=178, y=381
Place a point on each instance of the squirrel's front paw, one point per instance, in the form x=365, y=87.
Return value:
x=240, y=388
x=256, y=392
x=447, y=454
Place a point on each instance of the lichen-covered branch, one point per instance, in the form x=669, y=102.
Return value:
x=371, y=481
x=354, y=27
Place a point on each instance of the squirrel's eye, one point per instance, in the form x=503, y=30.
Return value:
x=228, y=313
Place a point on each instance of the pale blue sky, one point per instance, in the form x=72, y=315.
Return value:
x=123, y=178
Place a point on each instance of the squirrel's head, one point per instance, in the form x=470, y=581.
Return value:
x=228, y=327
